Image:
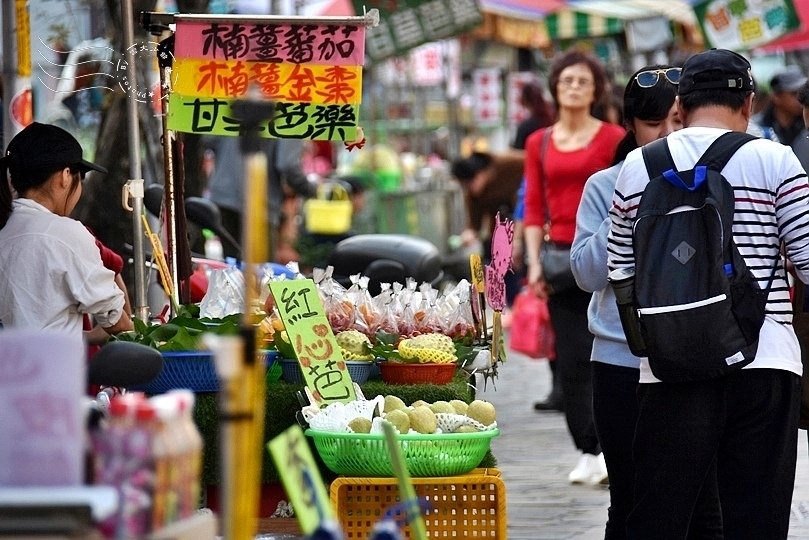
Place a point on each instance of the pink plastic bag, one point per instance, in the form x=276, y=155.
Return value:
x=531, y=331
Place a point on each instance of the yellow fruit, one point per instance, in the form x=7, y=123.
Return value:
x=442, y=407
x=422, y=419
x=466, y=429
x=360, y=425
x=419, y=403
x=459, y=406
x=482, y=411
x=428, y=348
x=354, y=345
x=399, y=419
x=393, y=403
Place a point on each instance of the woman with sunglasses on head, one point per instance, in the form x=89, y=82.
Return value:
x=50, y=267
x=558, y=161
x=649, y=114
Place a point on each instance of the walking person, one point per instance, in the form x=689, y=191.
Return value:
x=649, y=114
x=741, y=424
x=541, y=114
x=558, y=161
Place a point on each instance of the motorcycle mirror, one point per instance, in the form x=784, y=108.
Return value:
x=153, y=199
x=204, y=213
x=123, y=363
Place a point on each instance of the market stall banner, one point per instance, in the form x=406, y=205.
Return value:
x=319, y=355
x=312, y=71
x=405, y=24
x=742, y=24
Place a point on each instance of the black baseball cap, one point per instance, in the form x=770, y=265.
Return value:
x=716, y=69
x=45, y=147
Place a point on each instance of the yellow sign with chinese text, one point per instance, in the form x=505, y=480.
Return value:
x=319, y=356
x=301, y=479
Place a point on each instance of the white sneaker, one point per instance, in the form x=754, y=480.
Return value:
x=589, y=470
x=600, y=475
x=581, y=473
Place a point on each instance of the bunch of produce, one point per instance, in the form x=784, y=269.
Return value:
x=420, y=417
x=428, y=348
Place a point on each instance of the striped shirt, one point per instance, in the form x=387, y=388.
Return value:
x=771, y=196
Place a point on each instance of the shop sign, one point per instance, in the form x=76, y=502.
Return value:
x=311, y=336
x=312, y=71
x=743, y=24
x=515, y=112
x=405, y=24
x=488, y=94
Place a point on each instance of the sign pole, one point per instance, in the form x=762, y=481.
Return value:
x=133, y=189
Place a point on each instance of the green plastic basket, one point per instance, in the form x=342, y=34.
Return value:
x=363, y=454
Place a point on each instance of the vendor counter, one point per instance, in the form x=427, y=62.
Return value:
x=282, y=404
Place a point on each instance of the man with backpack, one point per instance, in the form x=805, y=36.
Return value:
x=702, y=220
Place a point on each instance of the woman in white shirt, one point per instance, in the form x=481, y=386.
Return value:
x=50, y=268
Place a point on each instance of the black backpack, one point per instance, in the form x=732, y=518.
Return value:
x=700, y=309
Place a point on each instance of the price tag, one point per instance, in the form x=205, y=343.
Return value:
x=476, y=268
x=318, y=353
x=301, y=479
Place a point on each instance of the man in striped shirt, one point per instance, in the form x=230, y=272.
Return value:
x=734, y=435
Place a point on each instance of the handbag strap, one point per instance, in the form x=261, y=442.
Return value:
x=543, y=152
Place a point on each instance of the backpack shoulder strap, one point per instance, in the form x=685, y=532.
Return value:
x=657, y=158
x=722, y=149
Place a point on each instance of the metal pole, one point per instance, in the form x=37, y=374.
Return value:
x=134, y=186
x=9, y=69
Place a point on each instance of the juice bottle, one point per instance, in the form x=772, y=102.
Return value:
x=190, y=454
x=161, y=450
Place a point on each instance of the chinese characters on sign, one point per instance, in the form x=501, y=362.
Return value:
x=405, y=24
x=312, y=71
x=301, y=479
x=742, y=24
x=319, y=356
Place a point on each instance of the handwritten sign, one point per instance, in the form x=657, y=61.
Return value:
x=312, y=71
x=500, y=265
x=41, y=418
x=284, y=82
x=324, y=370
x=742, y=24
x=213, y=116
x=301, y=479
x=476, y=270
x=277, y=43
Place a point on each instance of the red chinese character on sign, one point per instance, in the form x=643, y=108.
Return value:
x=211, y=75
x=268, y=77
x=337, y=89
x=300, y=82
x=236, y=83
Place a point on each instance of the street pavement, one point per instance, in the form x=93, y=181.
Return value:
x=535, y=453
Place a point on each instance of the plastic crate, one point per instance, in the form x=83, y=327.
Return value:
x=366, y=454
x=467, y=506
x=358, y=370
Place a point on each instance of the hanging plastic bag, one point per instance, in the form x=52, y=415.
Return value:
x=531, y=330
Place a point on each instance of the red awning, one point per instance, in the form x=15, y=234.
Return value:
x=799, y=39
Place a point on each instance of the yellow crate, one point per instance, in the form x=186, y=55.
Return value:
x=470, y=505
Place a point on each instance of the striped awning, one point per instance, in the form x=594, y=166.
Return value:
x=569, y=24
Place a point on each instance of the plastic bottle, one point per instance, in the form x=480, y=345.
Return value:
x=191, y=454
x=213, y=245
x=161, y=450
x=140, y=482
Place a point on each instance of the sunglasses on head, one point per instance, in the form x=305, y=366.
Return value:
x=649, y=78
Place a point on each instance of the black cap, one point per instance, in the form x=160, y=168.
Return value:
x=45, y=147
x=716, y=69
